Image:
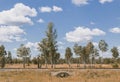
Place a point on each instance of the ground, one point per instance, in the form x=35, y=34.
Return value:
x=49, y=75
x=45, y=75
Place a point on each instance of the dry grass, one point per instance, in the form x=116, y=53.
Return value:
x=57, y=66
x=78, y=75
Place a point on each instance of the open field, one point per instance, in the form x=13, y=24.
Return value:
x=45, y=75
x=58, y=66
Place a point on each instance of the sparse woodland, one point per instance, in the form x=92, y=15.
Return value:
x=87, y=56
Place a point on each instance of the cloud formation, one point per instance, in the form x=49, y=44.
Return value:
x=40, y=20
x=105, y=1
x=47, y=9
x=81, y=34
x=80, y=2
x=18, y=15
x=11, y=33
x=32, y=45
x=115, y=30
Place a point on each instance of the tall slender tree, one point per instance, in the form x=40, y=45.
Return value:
x=43, y=48
x=2, y=56
x=23, y=52
x=90, y=51
x=68, y=56
x=103, y=46
x=52, y=43
x=9, y=57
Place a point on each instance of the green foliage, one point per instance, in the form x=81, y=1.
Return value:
x=2, y=62
x=23, y=52
x=115, y=52
x=68, y=55
x=2, y=56
x=103, y=46
x=9, y=57
x=43, y=48
x=52, y=43
x=34, y=60
x=77, y=49
x=115, y=65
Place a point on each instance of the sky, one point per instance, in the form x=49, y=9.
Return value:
x=76, y=21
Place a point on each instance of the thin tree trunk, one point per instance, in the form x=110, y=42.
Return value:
x=46, y=63
x=101, y=62
x=51, y=62
x=84, y=63
x=69, y=64
x=24, y=59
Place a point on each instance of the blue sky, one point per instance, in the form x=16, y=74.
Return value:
x=25, y=22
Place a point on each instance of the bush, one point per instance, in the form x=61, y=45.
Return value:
x=2, y=62
x=115, y=65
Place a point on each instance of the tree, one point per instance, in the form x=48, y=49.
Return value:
x=52, y=43
x=9, y=57
x=115, y=53
x=68, y=55
x=78, y=51
x=103, y=46
x=2, y=56
x=43, y=48
x=84, y=56
x=81, y=51
x=40, y=60
x=95, y=54
x=56, y=58
x=90, y=51
x=23, y=52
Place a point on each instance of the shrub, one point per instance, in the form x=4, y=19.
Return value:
x=115, y=65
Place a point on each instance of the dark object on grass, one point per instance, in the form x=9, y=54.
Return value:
x=63, y=74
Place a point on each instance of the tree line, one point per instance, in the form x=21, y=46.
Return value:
x=49, y=54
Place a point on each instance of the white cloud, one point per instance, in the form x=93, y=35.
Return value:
x=49, y=9
x=18, y=15
x=32, y=45
x=105, y=1
x=115, y=30
x=57, y=9
x=11, y=33
x=80, y=2
x=40, y=20
x=45, y=9
x=83, y=34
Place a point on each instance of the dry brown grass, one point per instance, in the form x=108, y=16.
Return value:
x=57, y=66
x=78, y=75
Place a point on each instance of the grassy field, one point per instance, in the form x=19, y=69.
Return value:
x=57, y=66
x=77, y=75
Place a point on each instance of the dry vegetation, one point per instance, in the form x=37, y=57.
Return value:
x=42, y=75
x=58, y=66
